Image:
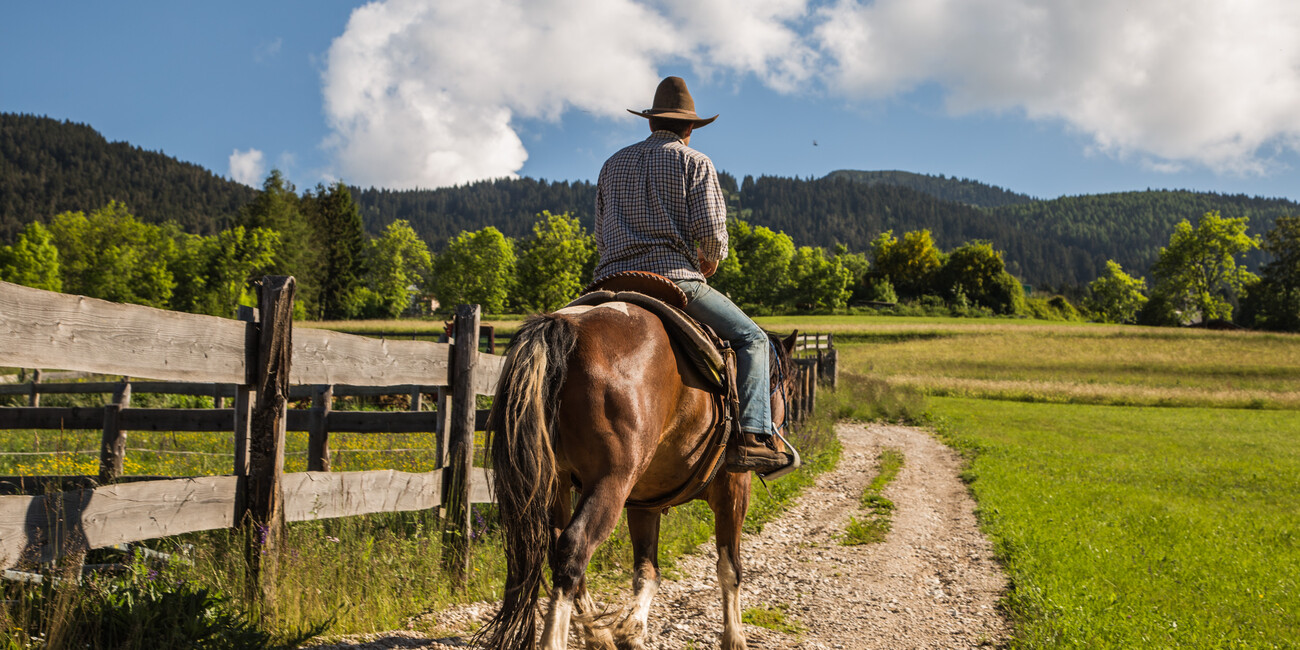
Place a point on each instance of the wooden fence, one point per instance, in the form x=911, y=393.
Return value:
x=257, y=365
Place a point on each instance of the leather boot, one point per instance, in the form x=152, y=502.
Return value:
x=755, y=454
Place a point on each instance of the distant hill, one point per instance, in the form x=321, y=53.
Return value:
x=966, y=191
x=48, y=166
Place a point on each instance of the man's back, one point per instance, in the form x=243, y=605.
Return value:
x=656, y=202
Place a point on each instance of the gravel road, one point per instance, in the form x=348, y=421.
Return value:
x=933, y=582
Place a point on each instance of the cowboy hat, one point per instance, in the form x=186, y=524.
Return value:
x=673, y=101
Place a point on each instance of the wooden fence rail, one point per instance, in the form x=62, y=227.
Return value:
x=259, y=363
x=255, y=362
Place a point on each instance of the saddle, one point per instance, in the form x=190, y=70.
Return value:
x=707, y=353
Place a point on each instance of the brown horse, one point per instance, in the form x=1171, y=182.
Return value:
x=598, y=400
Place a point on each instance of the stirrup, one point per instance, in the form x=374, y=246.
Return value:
x=795, y=461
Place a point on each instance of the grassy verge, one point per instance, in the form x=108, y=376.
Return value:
x=1125, y=527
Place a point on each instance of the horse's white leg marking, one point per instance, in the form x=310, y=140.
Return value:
x=631, y=631
x=733, y=637
x=596, y=638
x=555, y=636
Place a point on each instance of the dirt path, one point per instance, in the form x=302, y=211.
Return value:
x=933, y=582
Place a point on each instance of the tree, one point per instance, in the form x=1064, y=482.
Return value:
x=33, y=260
x=818, y=281
x=1198, y=270
x=214, y=273
x=341, y=238
x=477, y=268
x=1274, y=302
x=910, y=264
x=398, y=267
x=1116, y=296
x=759, y=274
x=277, y=207
x=551, y=262
x=859, y=268
x=975, y=272
x=108, y=254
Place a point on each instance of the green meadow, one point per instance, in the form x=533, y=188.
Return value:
x=1142, y=486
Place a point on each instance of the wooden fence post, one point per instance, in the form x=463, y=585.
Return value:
x=456, y=476
x=417, y=398
x=318, y=437
x=245, y=394
x=112, y=446
x=265, y=489
x=34, y=399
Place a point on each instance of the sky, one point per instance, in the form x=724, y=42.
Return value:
x=1043, y=97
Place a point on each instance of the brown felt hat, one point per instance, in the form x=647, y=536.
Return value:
x=673, y=101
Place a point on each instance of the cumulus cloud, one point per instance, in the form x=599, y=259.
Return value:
x=422, y=93
x=247, y=167
x=1175, y=80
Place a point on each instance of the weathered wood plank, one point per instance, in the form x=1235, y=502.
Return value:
x=137, y=419
x=53, y=330
x=325, y=495
x=325, y=357
x=318, y=440
x=202, y=389
x=487, y=373
x=26, y=417
x=114, y=514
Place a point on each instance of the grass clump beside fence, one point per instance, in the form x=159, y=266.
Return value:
x=1128, y=527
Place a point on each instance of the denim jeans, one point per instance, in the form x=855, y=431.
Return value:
x=750, y=342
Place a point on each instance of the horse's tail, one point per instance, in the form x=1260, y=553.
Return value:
x=520, y=439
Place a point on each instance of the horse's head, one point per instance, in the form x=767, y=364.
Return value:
x=781, y=355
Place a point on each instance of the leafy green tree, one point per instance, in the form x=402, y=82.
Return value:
x=398, y=267
x=277, y=207
x=976, y=273
x=32, y=260
x=341, y=247
x=910, y=264
x=1116, y=296
x=859, y=267
x=1198, y=270
x=477, y=268
x=108, y=254
x=1274, y=302
x=759, y=274
x=551, y=262
x=214, y=273
x=819, y=281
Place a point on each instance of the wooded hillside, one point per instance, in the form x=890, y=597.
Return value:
x=48, y=166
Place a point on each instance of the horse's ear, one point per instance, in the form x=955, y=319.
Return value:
x=788, y=343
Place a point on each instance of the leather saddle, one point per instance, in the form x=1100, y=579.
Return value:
x=663, y=298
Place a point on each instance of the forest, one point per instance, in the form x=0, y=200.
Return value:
x=49, y=168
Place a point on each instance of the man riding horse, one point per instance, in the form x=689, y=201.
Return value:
x=659, y=209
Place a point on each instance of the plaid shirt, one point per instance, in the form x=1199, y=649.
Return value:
x=657, y=201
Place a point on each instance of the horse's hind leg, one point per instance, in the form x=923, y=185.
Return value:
x=596, y=638
x=596, y=516
x=644, y=529
x=729, y=499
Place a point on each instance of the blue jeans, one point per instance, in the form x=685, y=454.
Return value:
x=714, y=309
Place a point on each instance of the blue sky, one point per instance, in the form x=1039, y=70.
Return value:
x=1045, y=97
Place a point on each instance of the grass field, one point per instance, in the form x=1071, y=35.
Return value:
x=1142, y=485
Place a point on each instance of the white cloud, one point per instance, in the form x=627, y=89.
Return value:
x=426, y=92
x=247, y=167
x=1202, y=81
x=423, y=92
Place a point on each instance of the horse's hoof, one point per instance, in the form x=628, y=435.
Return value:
x=629, y=634
x=733, y=641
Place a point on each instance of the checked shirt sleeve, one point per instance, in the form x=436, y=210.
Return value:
x=708, y=211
